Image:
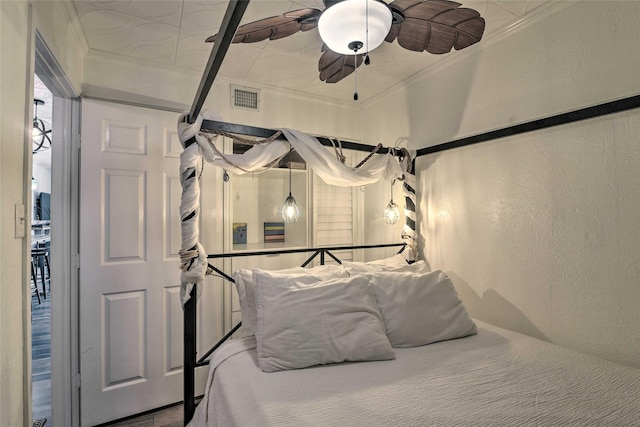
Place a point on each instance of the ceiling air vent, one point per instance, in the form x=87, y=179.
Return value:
x=246, y=98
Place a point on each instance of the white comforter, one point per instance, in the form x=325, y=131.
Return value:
x=495, y=378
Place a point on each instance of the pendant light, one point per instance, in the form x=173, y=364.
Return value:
x=391, y=213
x=40, y=133
x=290, y=210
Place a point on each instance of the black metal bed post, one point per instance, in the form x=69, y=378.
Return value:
x=228, y=28
x=189, y=363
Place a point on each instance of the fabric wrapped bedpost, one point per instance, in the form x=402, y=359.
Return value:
x=193, y=257
x=408, y=188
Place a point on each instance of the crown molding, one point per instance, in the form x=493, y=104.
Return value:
x=94, y=54
x=71, y=15
x=51, y=72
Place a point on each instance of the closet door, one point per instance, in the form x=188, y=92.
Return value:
x=130, y=312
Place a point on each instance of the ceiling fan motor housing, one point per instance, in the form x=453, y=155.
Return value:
x=433, y=26
x=355, y=46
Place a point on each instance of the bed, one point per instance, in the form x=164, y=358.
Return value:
x=496, y=377
x=410, y=356
x=485, y=376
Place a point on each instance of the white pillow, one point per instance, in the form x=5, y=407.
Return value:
x=245, y=285
x=420, y=309
x=372, y=267
x=301, y=325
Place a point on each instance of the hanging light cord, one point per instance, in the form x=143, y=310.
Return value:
x=392, y=182
x=367, y=61
x=290, y=150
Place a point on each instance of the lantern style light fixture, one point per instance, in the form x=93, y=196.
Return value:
x=392, y=212
x=40, y=133
x=350, y=25
x=290, y=210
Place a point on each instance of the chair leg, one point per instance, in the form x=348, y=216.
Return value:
x=46, y=263
x=35, y=282
x=44, y=287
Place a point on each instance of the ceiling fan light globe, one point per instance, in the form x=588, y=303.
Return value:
x=346, y=22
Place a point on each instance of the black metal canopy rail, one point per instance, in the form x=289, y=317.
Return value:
x=259, y=132
x=228, y=28
x=592, y=112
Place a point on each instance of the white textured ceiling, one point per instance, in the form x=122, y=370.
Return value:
x=171, y=33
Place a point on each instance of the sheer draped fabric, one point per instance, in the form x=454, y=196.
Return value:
x=259, y=157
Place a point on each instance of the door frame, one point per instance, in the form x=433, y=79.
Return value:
x=65, y=372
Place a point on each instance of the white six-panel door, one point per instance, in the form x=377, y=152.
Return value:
x=130, y=313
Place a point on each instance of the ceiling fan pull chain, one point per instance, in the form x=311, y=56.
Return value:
x=355, y=72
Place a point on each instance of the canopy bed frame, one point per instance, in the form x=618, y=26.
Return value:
x=191, y=362
x=230, y=23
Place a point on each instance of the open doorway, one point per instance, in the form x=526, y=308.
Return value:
x=42, y=291
x=54, y=215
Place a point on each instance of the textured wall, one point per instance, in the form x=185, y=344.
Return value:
x=13, y=83
x=539, y=231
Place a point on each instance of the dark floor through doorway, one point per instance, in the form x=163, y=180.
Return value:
x=41, y=358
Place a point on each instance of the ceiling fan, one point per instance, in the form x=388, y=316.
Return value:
x=350, y=29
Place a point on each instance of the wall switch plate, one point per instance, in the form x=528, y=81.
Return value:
x=21, y=221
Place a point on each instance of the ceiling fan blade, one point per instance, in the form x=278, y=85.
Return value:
x=276, y=27
x=436, y=26
x=393, y=33
x=334, y=67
